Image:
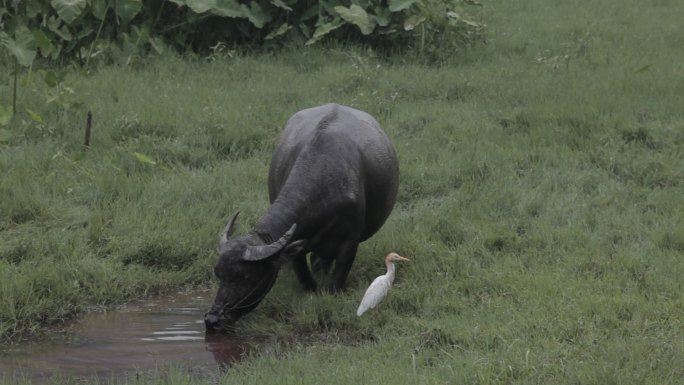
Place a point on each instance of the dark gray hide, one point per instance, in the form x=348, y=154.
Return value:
x=334, y=174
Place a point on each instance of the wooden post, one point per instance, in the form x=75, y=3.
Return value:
x=89, y=125
x=14, y=87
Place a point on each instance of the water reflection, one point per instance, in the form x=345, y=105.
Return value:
x=135, y=338
x=225, y=349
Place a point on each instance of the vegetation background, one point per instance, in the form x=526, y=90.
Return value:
x=540, y=199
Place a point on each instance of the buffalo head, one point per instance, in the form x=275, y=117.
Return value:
x=246, y=269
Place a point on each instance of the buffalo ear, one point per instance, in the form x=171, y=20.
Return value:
x=292, y=250
x=257, y=253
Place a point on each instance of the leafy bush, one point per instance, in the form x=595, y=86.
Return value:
x=87, y=29
x=68, y=29
x=310, y=21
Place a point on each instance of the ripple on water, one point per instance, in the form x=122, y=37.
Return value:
x=136, y=337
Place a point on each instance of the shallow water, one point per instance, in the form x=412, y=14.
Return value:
x=135, y=338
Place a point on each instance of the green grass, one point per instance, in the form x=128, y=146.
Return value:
x=540, y=201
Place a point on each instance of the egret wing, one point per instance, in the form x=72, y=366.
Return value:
x=375, y=293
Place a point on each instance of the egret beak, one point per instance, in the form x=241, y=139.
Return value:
x=394, y=257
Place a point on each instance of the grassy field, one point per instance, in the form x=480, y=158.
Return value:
x=541, y=200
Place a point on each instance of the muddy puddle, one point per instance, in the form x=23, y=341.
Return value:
x=136, y=338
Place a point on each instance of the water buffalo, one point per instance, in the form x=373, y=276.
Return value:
x=332, y=183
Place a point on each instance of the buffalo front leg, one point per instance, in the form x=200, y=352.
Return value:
x=343, y=263
x=320, y=264
x=296, y=252
x=301, y=268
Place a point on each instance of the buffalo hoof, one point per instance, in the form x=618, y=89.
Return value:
x=211, y=321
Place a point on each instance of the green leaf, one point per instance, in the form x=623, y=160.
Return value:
x=398, y=5
x=52, y=78
x=228, y=8
x=256, y=14
x=382, y=16
x=281, y=4
x=68, y=10
x=34, y=8
x=141, y=34
x=84, y=32
x=312, y=12
x=144, y=158
x=22, y=47
x=55, y=25
x=35, y=117
x=5, y=115
x=126, y=10
x=412, y=22
x=42, y=41
x=201, y=6
x=326, y=6
x=44, y=44
x=305, y=30
x=323, y=29
x=280, y=31
x=157, y=44
x=99, y=8
x=357, y=16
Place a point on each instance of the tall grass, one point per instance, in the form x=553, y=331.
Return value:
x=540, y=201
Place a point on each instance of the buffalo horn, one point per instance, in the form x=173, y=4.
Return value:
x=227, y=232
x=257, y=253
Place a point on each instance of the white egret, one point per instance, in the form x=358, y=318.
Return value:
x=377, y=290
